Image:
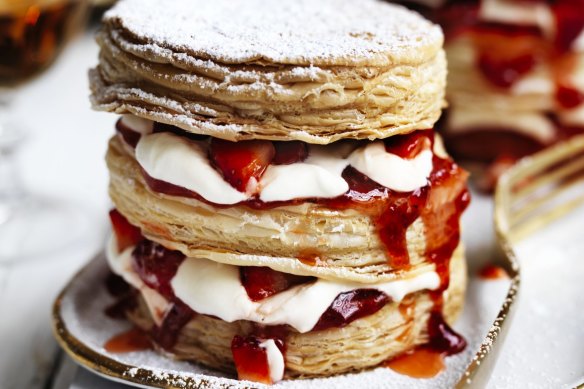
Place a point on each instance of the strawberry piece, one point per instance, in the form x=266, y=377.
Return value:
x=239, y=162
x=127, y=235
x=288, y=153
x=263, y=282
x=409, y=145
x=251, y=360
x=568, y=97
x=350, y=306
x=504, y=72
x=156, y=265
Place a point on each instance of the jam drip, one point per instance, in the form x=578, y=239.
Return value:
x=251, y=359
x=427, y=361
x=351, y=306
x=443, y=338
x=166, y=335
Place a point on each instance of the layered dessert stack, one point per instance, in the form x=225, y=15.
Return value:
x=516, y=77
x=283, y=206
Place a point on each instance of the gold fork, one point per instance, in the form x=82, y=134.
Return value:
x=536, y=191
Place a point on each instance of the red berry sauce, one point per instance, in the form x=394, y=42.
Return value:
x=130, y=136
x=505, y=72
x=350, y=306
x=251, y=360
x=569, y=97
x=127, y=235
x=263, y=282
x=290, y=152
x=239, y=162
x=408, y=146
x=156, y=266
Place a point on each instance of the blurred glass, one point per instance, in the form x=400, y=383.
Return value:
x=32, y=35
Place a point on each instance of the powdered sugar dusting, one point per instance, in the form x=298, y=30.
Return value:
x=284, y=31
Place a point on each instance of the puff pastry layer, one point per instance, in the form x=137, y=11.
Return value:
x=345, y=242
x=378, y=73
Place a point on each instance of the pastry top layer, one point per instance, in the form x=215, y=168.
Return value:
x=316, y=72
x=289, y=32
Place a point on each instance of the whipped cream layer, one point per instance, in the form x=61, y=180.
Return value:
x=276, y=363
x=215, y=289
x=183, y=162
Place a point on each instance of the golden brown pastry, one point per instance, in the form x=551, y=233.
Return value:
x=301, y=70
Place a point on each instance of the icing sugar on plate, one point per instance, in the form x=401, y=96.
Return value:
x=325, y=32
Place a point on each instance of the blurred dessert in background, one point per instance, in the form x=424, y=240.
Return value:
x=516, y=77
x=32, y=33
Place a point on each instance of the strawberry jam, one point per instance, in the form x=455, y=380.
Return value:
x=442, y=337
x=251, y=359
x=506, y=52
x=410, y=145
x=130, y=136
x=126, y=234
x=156, y=265
x=290, y=152
x=241, y=161
x=439, y=205
x=568, y=97
x=175, y=319
x=493, y=272
x=350, y=306
x=263, y=282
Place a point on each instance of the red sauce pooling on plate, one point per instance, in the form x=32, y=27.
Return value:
x=418, y=363
x=493, y=272
x=427, y=361
x=128, y=341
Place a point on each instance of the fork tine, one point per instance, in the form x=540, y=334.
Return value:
x=529, y=206
x=540, y=180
